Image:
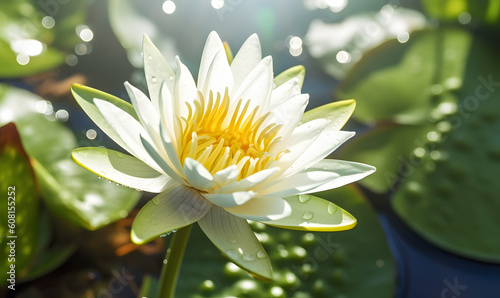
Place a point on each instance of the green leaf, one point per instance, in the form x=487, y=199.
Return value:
x=49, y=59
x=69, y=191
x=389, y=148
x=50, y=260
x=85, y=97
x=484, y=11
x=451, y=197
x=337, y=113
x=406, y=82
x=310, y=213
x=19, y=209
x=293, y=72
x=23, y=20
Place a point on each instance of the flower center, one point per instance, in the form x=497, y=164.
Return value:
x=217, y=137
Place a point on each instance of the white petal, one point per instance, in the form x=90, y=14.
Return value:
x=213, y=46
x=325, y=175
x=157, y=70
x=150, y=120
x=121, y=168
x=197, y=175
x=226, y=176
x=128, y=129
x=284, y=92
x=349, y=172
x=185, y=89
x=219, y=76
x=257, y=86
x=167, y=111
x=288, y=114
x=147, y=113
x=299, y=183
x=176, y=207
x=301, y=138
x=235, y=239
x=246, y=59
x=161, y=161
x=271, y=208
x=170, y=151
x=329, y=140
x=231, y=199
x=249, y=182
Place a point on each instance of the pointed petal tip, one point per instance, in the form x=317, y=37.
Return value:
x=135, y=239
x=267, y=60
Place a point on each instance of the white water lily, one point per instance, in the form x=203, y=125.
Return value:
x=231, y=147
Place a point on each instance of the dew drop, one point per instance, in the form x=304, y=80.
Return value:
x=123, y=213
x=149, y=57
x=171, y=77
x=153, y=79
x=248, y=257
x=304, y=198
x=307, y=215
x=231, y=254
x=261, y=254
x=332, y=208
x=165, y=261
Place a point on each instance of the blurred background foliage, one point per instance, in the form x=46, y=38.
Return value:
x=425, y=75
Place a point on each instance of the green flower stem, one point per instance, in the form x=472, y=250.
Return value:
x=172, y=263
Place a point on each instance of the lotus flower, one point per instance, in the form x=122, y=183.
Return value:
x=233, y=146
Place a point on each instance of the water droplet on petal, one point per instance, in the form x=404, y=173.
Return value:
x=153, y=79
x=261, y=254
x=307, y=215
x=231, y=254
x=248, y=257
x=165, y=261
x=171, y=77
x=332, y=208
x=304, y=198
x=149, y=57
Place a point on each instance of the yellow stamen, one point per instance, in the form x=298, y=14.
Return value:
x=210, y=137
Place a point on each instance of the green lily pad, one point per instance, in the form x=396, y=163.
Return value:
x=483, y=11
x=354, y=263
x=19, y=212
x=404, y=83
x=50, y=260
x=70, y=191
x=27, y=47
x=388, y=148
x=452, y=199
